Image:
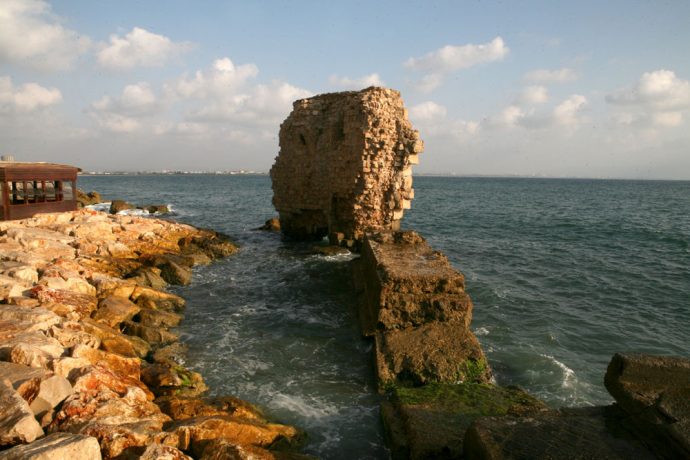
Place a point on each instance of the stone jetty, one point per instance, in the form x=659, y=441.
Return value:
x=89, y=365
x=344, y=172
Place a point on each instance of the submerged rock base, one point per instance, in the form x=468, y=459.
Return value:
x=89, y=367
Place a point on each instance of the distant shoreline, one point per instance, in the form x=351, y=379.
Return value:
x=457, y=176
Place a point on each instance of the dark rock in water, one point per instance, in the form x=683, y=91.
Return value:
x=157, y=209
x=430, y=421
x=582, y=433
x=655, y=392
x=119, y=205
x=271, y=225
x=87, y=199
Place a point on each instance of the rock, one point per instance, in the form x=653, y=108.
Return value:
x=56, y=446
x=581, y=433
x=344, y=165
x=128, y=437
x=53, y=391
x=170, y=354
x=120, y=365
x=157, y=318
x=150, y=334
x=24, y=380
x=434, y=352
x=161, y=452
x=88, y=199
x=271, y=225
x=430, y=421
x=100, y=378
x=68, y=304
x=119, y=205
x=220, y=449
x=331, y=250
x=68, y=367
x=114, y=310
x=181, y=408
x=174, y=273
x=148, y=276
x=194, y=433
x=115, y=342
x=152, y=298
x=17, y=422
x=108, y=286
x=30, y=346
x=71, y=333
x=158, y=209
x=172, y=379
x=655, y=392
x=40, y=318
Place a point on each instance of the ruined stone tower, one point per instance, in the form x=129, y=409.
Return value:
x=344, y=166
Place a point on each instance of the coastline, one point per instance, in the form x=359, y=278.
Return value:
x=87, y=352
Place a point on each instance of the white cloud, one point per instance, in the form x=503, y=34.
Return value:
x=551, y=76
x=26, y=98
x=567, y=112
x=532, y=95
x=356, y=83
x=658, y=90
x=139, y=48
x=222, y=77
x=449, y=58
x=658, y=99
x=135, y=99
x=30, y=35
x=427, y=111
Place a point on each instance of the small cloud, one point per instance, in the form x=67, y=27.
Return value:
x=450, y=58
x=136, y=99
x=427, y=111
x=508, y=117
x=139, y=48
x=563, y=75
x=32, y=36
x=356, y=83
x=566, y=113
x=532, y=95
x=222, y=77
x=26, y=98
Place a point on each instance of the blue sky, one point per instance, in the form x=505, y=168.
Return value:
x=586, y=89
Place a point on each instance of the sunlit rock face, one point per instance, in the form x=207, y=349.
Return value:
x=344, y=166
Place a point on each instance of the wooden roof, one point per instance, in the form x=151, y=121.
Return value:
x=26, y=170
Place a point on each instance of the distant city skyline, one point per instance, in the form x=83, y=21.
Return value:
x=534, y=88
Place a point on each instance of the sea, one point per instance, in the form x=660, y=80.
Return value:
x=563, y=273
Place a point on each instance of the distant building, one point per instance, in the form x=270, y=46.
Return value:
x=31, y=188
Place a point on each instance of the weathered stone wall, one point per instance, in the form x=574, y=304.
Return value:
x=344, y=166
x=414, y=304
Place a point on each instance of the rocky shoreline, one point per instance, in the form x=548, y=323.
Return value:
x=90, y=368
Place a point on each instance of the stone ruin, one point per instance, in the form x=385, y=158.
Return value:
x=344, y=166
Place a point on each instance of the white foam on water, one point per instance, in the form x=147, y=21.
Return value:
x=569, y=379
x=481, y=331
x=306, y=407
x=105, y=206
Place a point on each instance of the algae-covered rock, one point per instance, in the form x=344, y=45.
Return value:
x=430, y=421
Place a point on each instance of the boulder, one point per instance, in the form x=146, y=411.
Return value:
x=435, y=352
x=172, y=379
x=68, y=304
x=150, y=334
x=271, y=225
x=581, y=433
x=71, y=333
x=114, y=310
x=655, y=392
x=149, y=277
x=24, y=380
x=56, y=446
x=153, y=298
x=162, y=452
x=181, y=408
x=157, y=318
x=120, y=365
x=430, y=421
x=119, y=205
x=195, y=433
x=99, y=378
x=175, y=273
x=68, y=367
x=220, y=449
x=17, y=421
x=40, y=319
x=53, y=390
x=157, y=209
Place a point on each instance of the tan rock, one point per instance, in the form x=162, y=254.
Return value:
x=69, y=367
x=53, y=391
x=23, y=378
x=157, y=318
x=120, y=365
x=17, y=422
x=127, y=438
x=65, y=303
x=108, y=286
x=181, y=408
x=30, y=342
x=56, y=446
x=171, y=378
x=162, y=452
x=220, y=449
x=152, y=298
x=100, y=378
x=114, y=310
x=72, y=333
x=41, y=319
x=150, y=334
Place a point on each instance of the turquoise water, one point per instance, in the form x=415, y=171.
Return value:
x=563, y=273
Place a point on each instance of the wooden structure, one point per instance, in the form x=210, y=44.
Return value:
x=31, y=188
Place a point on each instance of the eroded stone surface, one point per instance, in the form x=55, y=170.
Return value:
x=56, y=446
x=17, y=422
x=344, y=166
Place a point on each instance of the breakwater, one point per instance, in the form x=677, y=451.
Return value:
x=90, y=367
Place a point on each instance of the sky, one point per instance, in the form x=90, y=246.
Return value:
x=530, y=88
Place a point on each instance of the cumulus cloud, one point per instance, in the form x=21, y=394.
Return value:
x=356, y=83
x=427, y=111
x=659, y=98
x=127, y=112
x=449, y=58
x=221, y=78
x=551, y=76
x=31, y=36
x=26, y=98
x=139, y=48
x=532, y=95
x=567, y=113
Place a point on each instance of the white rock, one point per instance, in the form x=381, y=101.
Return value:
x=56, y=446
